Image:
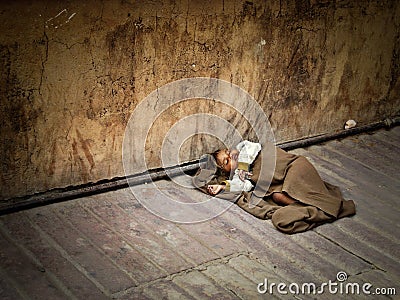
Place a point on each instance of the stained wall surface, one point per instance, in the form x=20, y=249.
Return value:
x=73, y=73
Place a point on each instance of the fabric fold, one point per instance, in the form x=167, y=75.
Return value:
x=318, y=202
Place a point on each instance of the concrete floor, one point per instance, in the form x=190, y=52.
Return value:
x=110, y=246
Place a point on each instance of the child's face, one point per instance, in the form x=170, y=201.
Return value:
x=228, y=159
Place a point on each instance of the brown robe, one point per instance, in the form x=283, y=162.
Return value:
x=318, y=202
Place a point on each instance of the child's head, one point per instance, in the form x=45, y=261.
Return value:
x=227, y=160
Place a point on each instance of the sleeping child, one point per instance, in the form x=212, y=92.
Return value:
x=238, y=161
x=287, y=188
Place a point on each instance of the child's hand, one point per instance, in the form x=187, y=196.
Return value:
x=215, y=188
x=243, y=175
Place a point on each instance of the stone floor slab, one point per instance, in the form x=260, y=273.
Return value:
x=108, y=246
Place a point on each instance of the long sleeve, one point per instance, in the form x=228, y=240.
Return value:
x=237, y=185
x=247, y=154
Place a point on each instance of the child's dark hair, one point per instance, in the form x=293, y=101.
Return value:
x=215, y=155
x=220, y=170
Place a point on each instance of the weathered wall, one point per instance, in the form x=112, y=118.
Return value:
x=73, y=72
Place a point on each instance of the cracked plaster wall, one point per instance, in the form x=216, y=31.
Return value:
x=73, y=72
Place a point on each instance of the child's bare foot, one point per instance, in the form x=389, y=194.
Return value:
x=283, y=199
